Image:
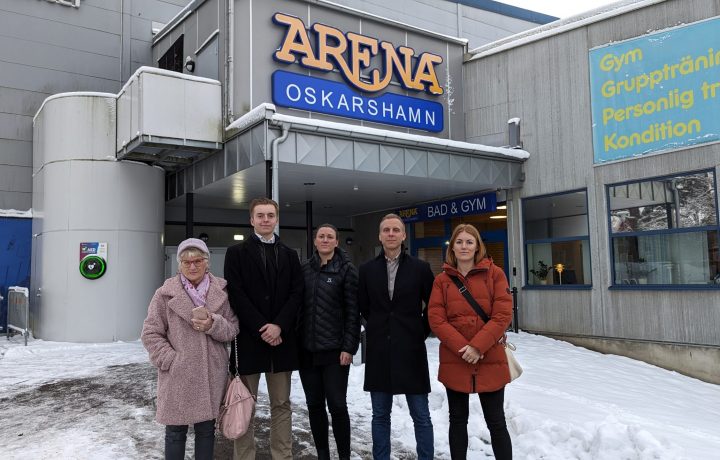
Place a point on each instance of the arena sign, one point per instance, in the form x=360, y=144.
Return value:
x=351, y=54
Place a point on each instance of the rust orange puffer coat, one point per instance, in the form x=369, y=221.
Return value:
x=456, y=324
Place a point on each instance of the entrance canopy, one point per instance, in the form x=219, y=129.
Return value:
x=344, y=169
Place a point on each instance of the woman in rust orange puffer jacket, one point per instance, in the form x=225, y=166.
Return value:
x=472, y=359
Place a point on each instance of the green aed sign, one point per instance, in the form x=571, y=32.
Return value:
x=93, y=260
x=92, y=267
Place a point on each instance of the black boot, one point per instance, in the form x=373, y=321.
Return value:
x=323, y=454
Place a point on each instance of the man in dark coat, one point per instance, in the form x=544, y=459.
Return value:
x=265, y=288
x=392, y=290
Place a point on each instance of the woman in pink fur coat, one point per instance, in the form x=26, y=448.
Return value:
x=188, y=321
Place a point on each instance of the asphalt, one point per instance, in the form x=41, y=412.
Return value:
x=119, y=405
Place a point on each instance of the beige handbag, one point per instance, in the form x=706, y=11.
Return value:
x=515, y=368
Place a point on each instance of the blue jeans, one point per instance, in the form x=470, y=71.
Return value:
x=420, y=413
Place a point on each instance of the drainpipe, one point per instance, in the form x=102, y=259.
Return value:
x=274, y=152
x=230, y=49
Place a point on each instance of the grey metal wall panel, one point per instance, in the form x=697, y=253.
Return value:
x=86, y=16
x=47, y=31
x=15, y=179
x=59, y=58
x=207, y=21
x=438, y=165
x=15, y=127
x=449, y=18
x=206, y=62
x=339, y=153
x=367, y=157
x=156, y=9
x=48, y=81
x=15, y=200
x=19, y=102
x=416, y=163
x=310, y=149
x=392, y=160
x=15, y=153
x=141, y=54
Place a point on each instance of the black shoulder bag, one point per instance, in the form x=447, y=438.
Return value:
x=471, y=300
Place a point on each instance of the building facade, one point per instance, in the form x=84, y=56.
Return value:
x=585, y=149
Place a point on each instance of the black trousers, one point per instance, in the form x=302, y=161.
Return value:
x=321, y=384
x=494, y=413
x=176, y=435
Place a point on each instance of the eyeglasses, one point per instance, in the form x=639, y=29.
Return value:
x=196, y=262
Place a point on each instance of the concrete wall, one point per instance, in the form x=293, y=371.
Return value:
x=82, y=195
x=546, y=84
x=49, y=48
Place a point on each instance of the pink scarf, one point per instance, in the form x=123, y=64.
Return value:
x=198, y=294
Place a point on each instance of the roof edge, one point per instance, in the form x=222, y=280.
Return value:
x=561, y=26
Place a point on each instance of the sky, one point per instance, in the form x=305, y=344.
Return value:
x=559, y=8
x=93, y=401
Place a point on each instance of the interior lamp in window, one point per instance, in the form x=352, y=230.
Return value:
x=559, y=268
x=238, y=237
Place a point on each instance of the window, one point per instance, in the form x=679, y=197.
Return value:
x=664, y=231
x=173, y=58
x=557, y=244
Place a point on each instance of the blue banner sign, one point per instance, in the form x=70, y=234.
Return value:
x=318, y=95
x=476, y=204
x=657, y=92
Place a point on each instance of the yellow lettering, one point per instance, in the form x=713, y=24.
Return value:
x=296, y=42
x=392, y=61
x=362, y=49
x=333, y=46
x=325, y=48
x=425, y=74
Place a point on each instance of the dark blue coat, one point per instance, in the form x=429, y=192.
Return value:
x=396, y=360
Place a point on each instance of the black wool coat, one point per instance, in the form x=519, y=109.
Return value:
x=396, y=360
x=255, y=305
x=330, y=320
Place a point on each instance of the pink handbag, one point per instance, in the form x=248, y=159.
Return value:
x=237, y=409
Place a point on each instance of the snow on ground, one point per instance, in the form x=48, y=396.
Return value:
x=62, y=400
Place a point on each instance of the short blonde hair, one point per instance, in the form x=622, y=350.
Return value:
x=391, y=216
x=481, y=253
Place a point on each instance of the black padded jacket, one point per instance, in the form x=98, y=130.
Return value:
x=330, y=319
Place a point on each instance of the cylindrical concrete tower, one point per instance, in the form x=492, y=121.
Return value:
x=81, y=194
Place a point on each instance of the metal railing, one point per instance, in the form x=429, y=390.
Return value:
x=18, y=311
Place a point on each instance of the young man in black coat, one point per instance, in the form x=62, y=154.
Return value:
x=392, y=290
x=265, y=287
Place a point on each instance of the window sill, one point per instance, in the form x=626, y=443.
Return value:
x=664, y=287
x=558, y=287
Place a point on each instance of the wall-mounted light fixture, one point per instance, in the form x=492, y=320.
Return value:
x=190, y=64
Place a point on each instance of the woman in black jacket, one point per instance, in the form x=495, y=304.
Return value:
x=329, y=337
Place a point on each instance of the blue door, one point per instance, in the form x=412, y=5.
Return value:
x=15, y=243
